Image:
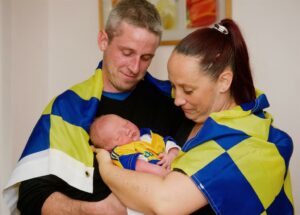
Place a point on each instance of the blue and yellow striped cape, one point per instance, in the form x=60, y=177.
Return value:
x=240, y=161
x=59, y=142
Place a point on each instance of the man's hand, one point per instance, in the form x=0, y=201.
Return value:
x=59, y=204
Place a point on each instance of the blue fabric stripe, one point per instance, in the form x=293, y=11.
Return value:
x=247, y=106
x=281, y=205
x=219, y=172
x=260, y=103
x=260, y=114
x=116, y=96
x=230, y=141
x=154, y=161
x=39, y=138
x=283, y=142
x=211, y=130
x=169, y=138
x=145, y=131
x=100, y=65
x=75, y=110
x=129, y=161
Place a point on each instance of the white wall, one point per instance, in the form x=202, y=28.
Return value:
x=6, y=157
x=73, y=50
x=272, y=32
x=47, y=46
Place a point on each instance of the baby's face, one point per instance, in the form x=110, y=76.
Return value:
x=124, y=131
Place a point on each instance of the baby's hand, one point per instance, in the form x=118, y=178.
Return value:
x=167, y=158
x=165, y=161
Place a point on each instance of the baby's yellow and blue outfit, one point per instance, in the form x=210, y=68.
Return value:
x=147, y=148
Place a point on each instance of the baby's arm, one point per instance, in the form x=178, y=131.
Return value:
x=135, y=161
x=144, y=166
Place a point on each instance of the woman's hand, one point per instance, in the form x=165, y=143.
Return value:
x=102, y=153
x=103, y=158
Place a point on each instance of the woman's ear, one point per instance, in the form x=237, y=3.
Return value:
x=102, y=40
x=225, y=80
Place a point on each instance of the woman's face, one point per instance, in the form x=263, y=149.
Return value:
x=196, y=93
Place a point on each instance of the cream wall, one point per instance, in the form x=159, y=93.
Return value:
x=47, y=46
x=5, y=125
x=271, y=30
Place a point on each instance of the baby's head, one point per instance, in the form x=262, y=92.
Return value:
x=110, y=130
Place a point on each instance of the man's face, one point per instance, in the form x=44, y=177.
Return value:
x=126, y=57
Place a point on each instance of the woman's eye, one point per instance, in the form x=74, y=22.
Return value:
x=188, y=92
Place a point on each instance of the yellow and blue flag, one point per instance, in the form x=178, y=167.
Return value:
x=240, y=161
x=59, y=142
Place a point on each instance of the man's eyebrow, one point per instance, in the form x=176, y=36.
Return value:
x=125, y=47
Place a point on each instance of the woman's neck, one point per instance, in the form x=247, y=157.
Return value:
x=230, y=103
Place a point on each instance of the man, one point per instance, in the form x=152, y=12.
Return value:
x=56, y=169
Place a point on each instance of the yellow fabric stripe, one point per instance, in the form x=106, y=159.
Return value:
x=265, y=174
x=126, y=149
x=149, y=150
x=288, y=188
x=48, y=109
x=198, y=157
x=157, y=144
x=86, y=90
x=241, y=120
x=173, y=93
x=70, y=139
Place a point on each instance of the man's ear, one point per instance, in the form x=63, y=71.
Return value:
x=102, y=40
x=225, y=80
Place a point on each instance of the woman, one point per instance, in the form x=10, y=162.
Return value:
x=234, y=159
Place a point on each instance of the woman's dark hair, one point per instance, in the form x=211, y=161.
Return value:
x=218, y=48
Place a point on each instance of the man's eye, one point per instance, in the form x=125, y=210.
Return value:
x=147, y=57
x=127, y=52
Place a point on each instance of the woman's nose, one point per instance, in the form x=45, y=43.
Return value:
x=179, y=100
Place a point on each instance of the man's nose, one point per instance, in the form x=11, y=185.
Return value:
x=134, y=65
